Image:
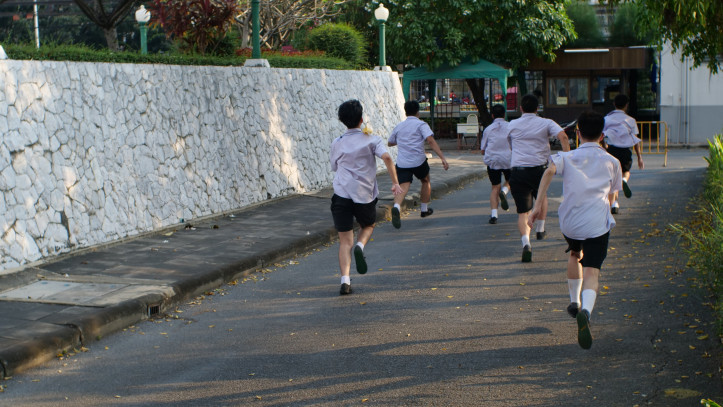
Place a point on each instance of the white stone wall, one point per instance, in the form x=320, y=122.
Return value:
x=95, y=152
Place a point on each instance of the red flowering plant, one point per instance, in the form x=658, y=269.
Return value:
x=199, y=25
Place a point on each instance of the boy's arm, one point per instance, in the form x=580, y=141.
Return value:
x=638, y=152
x=541, y=193
x=564, y=141
x=396, y=189
x=435, y=147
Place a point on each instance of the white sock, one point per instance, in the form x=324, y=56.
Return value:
x=505, y=190
x=494, y=213
x=424, y=207
x=616, y=205
x=399, y=207
x=360, y=244
x=525, y=240
x=345, y=280
x=588, y=300
x=541, y=225
x=574, y=285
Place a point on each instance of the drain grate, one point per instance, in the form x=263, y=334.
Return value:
x=154, y=310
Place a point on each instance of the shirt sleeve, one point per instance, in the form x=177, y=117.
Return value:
x=617, y=179
x=553, y=128
x=425, y=130
x=393, y=136
x=333, y=156
x=632, y=125
x=559, y=161
x=379, y=147
x=485, y=138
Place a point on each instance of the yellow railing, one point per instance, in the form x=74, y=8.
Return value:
x=654, y=136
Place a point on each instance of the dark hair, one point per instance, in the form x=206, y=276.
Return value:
x=350, y=113
x=411, y=108
x=590, y=125
x=620, y=101
x=529, y=103
x=498, y=111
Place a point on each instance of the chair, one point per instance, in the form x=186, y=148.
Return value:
x=470, y=129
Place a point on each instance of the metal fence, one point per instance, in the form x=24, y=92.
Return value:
x=654, y=136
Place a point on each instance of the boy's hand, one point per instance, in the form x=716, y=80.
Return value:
x=641, y=164
x=396, y=189
x=444, y=164
x=532, y=217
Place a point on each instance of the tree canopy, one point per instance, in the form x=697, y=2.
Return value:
x=693, y=28
x=507, y=32
x=587, y=27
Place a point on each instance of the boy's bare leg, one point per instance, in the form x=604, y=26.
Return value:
x=495, y=196
x=426, y=192
x=346, y=242
x=522, y=224
x=398, y=199
x=590, y=279
x=397, y=209
x=574, y=282
x=365, y=234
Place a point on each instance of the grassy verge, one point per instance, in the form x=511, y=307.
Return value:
x=85, y=54
x=703, y=237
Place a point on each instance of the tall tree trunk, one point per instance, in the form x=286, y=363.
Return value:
x=246, y=32
x=477, y=87
x=111, y=38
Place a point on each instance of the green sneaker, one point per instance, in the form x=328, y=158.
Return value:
x=626, y=190
x=526, y=254
x=584, y=337
x=503, y=201
x=396, y=218
x=361, y=262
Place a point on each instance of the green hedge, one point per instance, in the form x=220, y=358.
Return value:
x=84, y=54
x=703, y=238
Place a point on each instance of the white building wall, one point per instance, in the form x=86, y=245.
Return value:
x=95, y=152
x=691, y=100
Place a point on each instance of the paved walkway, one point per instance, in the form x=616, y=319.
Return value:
x=81, y=298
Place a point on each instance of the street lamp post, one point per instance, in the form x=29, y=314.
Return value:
x=256, y=59
x=143, y=16
x=382, y=14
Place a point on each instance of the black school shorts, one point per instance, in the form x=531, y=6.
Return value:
x=524, y=182
x=405, y=174
x=344, y=211
x=624, y=155
x=594, y=250
x=495, y=176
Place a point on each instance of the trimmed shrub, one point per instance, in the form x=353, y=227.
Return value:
x=85, y=54
x=339, y=40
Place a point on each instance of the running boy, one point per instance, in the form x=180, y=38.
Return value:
x=496, y=151
x=590, y=179
x=529, y=138
x=410, y=136
x=621, y=132
x=353, y=158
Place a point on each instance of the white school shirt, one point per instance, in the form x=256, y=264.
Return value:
x=409, y=136
x=620, y=129
x=589, y=174
x=495, y=145
x=353, y=157
x=529, y=138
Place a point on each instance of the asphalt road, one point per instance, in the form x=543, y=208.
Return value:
x=446, y=316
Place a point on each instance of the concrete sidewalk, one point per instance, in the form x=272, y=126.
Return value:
x=73, y=301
